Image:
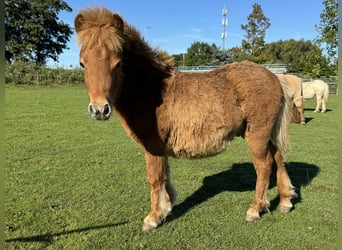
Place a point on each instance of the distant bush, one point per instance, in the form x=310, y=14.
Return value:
x=20, y=73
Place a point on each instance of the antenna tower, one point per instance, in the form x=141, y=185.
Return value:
x=224, y=24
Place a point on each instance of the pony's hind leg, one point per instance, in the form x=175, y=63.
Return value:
x=262, y=161
x=324, y=109
x=163, y=194
x=284, y=185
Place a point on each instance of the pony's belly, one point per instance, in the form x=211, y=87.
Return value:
x=308, y=95
x=199, y=147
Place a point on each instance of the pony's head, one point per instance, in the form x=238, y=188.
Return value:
x=99, y=33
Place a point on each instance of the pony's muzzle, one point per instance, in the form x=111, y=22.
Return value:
x=100, y=112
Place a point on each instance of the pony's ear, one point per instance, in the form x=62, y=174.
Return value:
x=118, y=23
x=78, y=22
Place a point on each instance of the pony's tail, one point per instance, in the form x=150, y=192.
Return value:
x=280, y=132
x=326, y=92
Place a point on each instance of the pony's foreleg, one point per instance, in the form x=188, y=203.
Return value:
x=262, y=161
x=299, y=105
x=301, y=114
x=319, y=100
x=163, y=194
x=284, y=185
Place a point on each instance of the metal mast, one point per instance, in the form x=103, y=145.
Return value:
x=224, y=24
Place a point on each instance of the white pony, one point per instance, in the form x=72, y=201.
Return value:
x=317, y=88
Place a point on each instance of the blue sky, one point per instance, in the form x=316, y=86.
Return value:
x=175, y=25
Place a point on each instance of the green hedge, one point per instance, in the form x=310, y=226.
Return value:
x=20, y=73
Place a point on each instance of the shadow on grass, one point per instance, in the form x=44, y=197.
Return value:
x=312, y=110
x=48, y=237
x=308, y=119
x=241, y=178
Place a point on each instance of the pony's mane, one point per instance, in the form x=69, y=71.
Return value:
x=135, y=42
x=97, y=29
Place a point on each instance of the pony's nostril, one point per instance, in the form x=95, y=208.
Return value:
x=106, y=110
x=91, y=109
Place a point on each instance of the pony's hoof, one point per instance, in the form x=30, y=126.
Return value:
x=316, y=111
x=148, y=227
x=149, y=224
x=285, y=209
x=252, y=215
x=323, y=111
x=250, y=218
x=303, y=123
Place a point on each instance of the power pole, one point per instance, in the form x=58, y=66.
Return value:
x=224, y=24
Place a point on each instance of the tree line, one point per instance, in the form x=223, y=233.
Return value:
x=300, y=56
x=34, y=33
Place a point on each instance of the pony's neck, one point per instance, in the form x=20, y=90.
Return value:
x=143, y=71
x=142, y=82
x=142, y=75
x=140, y=58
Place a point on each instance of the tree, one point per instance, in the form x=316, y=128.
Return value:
x=300, y=56
x=328, y=27
x=256, y=28
x=33, y=30
x=200, y=53
x=203, y=54
x=222, y=57
x=178, y=59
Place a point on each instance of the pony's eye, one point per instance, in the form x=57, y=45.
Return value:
x=82, y=65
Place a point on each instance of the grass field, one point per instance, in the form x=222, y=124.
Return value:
x=76, y=183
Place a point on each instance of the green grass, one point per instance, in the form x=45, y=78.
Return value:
x=76, y=183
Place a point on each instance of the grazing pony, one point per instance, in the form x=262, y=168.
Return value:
x=188, y=115
x=317, y=88
x=294, y=84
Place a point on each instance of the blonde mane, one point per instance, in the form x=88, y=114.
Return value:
x=97, y=29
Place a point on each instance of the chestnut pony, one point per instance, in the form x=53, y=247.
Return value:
x=171, y=113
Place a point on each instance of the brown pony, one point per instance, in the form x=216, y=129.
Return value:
x=170, y=113
x=294, y=84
